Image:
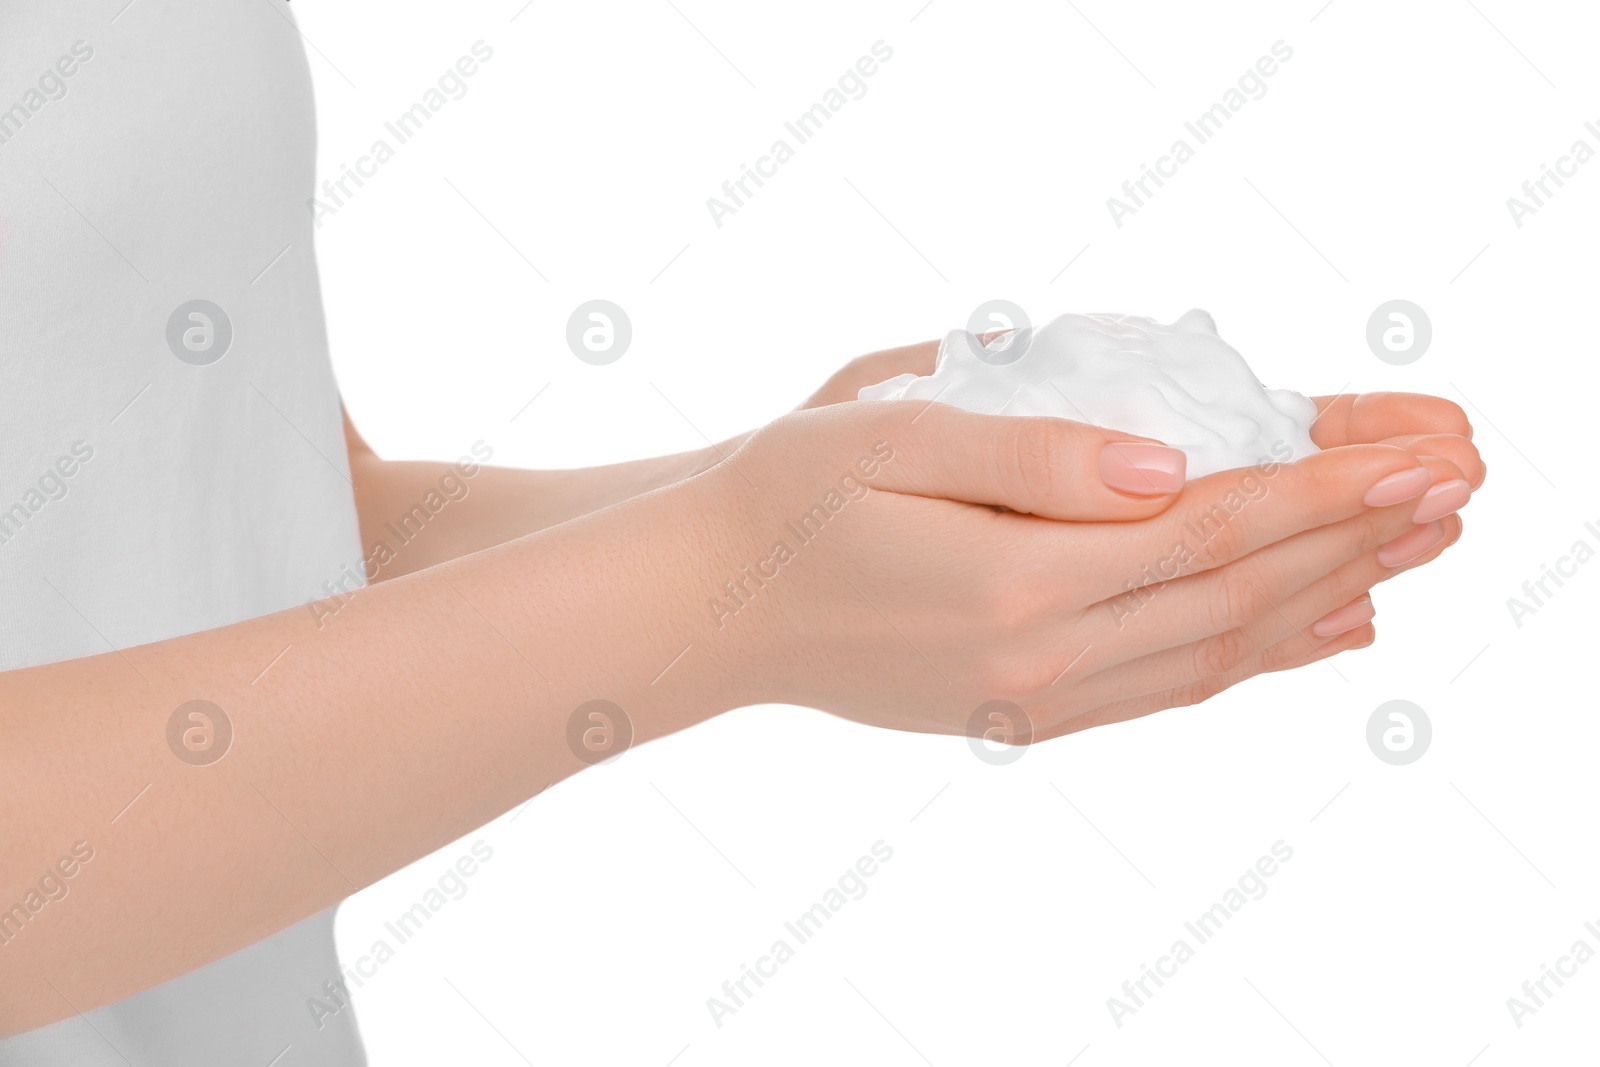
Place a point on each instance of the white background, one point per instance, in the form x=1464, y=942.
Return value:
x=1019, y=898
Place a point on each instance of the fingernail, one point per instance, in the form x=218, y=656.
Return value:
x=1446, y=498
x=1397, y=488
x=1409, y=546
x=1365, y=644
x=1142, y=469
x=1343, y=620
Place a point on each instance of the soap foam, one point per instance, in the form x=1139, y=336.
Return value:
x=1180, y=384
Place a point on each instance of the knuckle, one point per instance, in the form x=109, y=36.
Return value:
x=1020, y=662
x=1010, y=610
x=1221, y=653
x=1345, y=585
x=994, y=676
x=994, y=682
x=1283, y=655
x=1370, y=529
x=1238, y=600
x=1195, y=692
x=1038, y=673
x=1034, y=456
x=1221, y=539
x=1013, y=678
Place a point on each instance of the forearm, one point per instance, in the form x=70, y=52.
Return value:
x=420, y=710
x=416, y=514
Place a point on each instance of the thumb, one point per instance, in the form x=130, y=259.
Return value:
x=1053, y=468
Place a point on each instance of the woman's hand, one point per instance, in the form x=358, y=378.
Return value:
x=872, y=368
x=902, y=563
x=384, y=723
x=1422, y=425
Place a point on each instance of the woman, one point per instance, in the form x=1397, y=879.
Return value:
x=187, y=527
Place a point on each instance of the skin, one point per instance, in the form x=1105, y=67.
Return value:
x=983, y=561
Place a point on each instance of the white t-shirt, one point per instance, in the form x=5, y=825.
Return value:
x=171, y=454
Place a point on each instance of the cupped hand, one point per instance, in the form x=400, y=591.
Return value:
x=872, y=368
x=1423, y=425
x=903, y=564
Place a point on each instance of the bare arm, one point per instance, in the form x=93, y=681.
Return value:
x=426, y=512
x=425, y=707
x=368, y=730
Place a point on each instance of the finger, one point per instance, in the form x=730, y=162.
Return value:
x=1230, y=514
x=1235, y=596
x=1048, y=467
x=1457, y=449
x=1335, y=603
x=1366, y=418
x=1316, y=603
x=1200, y=691
x=872, y=368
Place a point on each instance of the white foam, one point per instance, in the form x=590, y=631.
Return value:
x=1180, y=384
